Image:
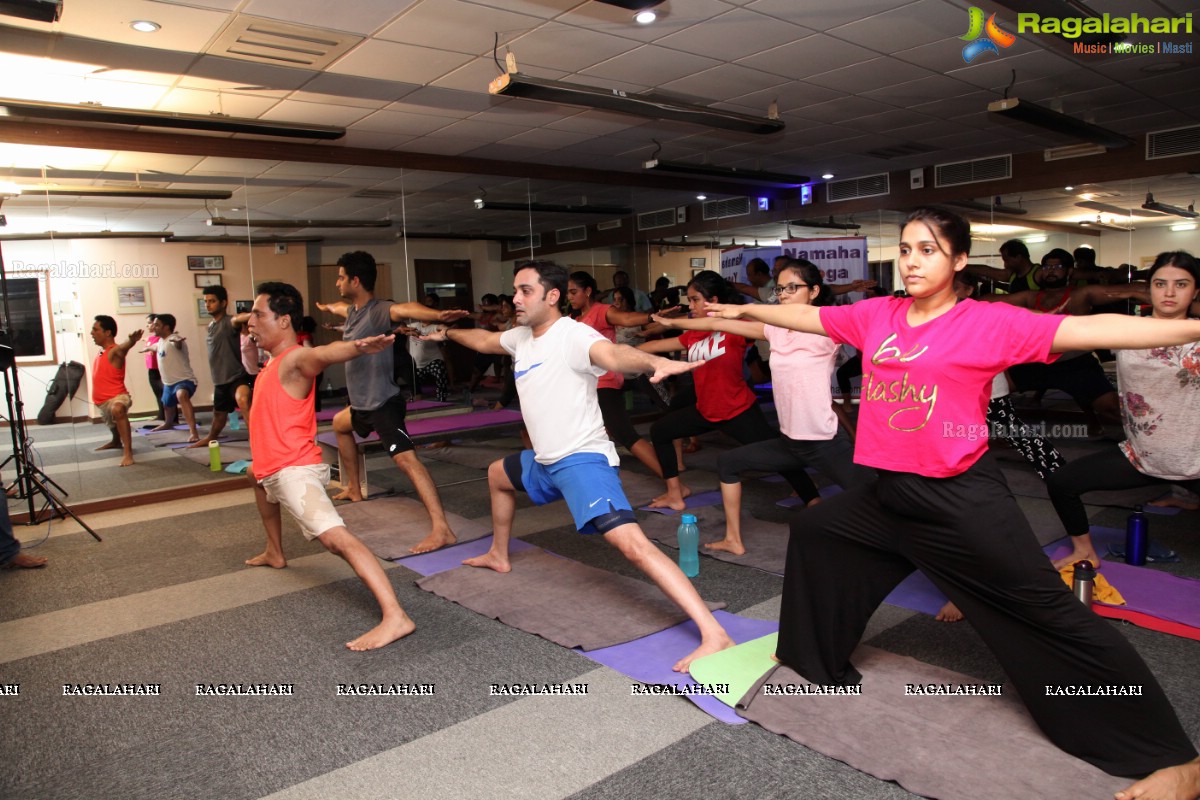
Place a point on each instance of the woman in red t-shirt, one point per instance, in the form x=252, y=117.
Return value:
x=581, y=288
x=724, y=402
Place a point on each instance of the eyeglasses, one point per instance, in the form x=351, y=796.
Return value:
x=790, y=288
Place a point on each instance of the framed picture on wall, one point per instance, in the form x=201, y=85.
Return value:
x=698, y=263
x=31, y=326
x=205, y=263
x=242, y=306
x=204, y=281
x=133, y=297
x=202, y=314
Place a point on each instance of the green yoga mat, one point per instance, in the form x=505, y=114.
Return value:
x=740, y=666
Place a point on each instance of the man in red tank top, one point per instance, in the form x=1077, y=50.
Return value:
x=287, y=469
x=109, y=394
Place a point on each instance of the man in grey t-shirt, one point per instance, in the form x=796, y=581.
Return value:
x=231, y=384
x=376, y=403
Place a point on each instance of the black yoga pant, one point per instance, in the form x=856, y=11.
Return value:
x=851, y=369
x=1107, y=470
x=969, y=537
x=746, y=428
x=616, y=418
x=1002, y=418
x=157, y=385
x=833, y=458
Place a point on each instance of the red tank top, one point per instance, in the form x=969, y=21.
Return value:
x=282, y=429
x=596, y=317
x=107, y=381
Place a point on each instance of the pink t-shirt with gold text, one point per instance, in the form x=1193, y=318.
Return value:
x=926, y=388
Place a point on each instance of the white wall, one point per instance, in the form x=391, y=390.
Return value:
x=163, y=268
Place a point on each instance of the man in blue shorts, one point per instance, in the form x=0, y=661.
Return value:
x=175, y=368
x=557, y=362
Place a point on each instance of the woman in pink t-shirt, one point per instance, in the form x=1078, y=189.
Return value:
x=941, y=505
x=724, y=401
x=604, y=318
x=802, y=369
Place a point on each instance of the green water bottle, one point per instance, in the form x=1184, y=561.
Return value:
x=214, y=456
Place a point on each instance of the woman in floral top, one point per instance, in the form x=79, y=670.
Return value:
x=1160, y=403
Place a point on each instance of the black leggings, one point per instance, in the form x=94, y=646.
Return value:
x=746, y=428
x=1106, y=470
x=1002, y=417
x=851, y=369
x=616, y=418
x=157, y=385
x=969, y=536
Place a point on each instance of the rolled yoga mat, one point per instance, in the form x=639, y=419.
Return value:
x=568, y=603
x=954, y=747
x=391, y=526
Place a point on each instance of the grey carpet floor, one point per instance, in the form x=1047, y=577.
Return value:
x=167, y=600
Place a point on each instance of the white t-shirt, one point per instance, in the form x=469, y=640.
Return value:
x=556, y=382
x=174, y=364
x=801, y=370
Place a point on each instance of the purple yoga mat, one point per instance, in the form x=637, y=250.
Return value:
x=698, y=500
x=649, y=659
x=796, y=502
x=452, y=557
x=1145, y=589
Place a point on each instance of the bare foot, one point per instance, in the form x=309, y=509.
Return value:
x=195, y=437
x=728, y=545
x=108, y=446
x=672, y=500
x=351, y=493
x=706, y=648
x=1173, y=783
x=949, y=613
x=23, y=561
x=435, y=540
x=199, y=443
x=490, y=560
x=266, y=560
x=163, y=427
x=384, y=634
x=1078, y=554
x=127, y=461
x=1171, y=501
x=812, y=502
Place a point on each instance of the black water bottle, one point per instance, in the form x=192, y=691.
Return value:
x=1136, y=538
x=1085, y=581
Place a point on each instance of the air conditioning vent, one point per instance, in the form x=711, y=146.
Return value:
x=855, y=188
x=1073, y=151
x=569, y=235
x=996, y=168
x=722, y=209
x=1173, y=142
x=269, y=41
x=611, y=225
x=663, y=218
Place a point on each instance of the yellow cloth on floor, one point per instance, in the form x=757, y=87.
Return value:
x=1102, y=590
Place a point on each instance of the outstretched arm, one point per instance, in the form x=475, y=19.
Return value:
x=661, y=346
x=627, y=318
x=339, y=309
x=859, y=285
x=1121, y=332
x=476, y=339
x=423, y=313
x=750, y=329
x=797, y=317
x=984, y=271
x=623, y=358
x=312, y=361
x=1022, y=299
x=116, y=356
x=1084, y=300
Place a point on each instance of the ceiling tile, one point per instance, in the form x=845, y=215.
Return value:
x=315, y=113
x=562, y=47
x=392, y=61
x=724, y=82
x=649, y=65
x=823, y=15
x=194, y=101
x=733, y=35
x=869, y=75
x=457, y=25
x=361, y=16
x=546, y=138
x=445, y=102
x=400, y=122
x=672, y=17
x=808, y=56
x=914, y=24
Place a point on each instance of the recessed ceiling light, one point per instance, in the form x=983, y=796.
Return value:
x=1184, y=226
x=144, y=26
x=701, y=197
x=1069, y=188
x=827, y=176
x=645, y=17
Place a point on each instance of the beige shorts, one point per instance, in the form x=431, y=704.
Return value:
x=105, y=408
x=301, y=490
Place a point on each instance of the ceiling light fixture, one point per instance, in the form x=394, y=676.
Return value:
x=552, y=208
x=44, y=235
x=750, y=176
x=227, y=239
x=1167, y=208
x=235, y=222
x=648, y=105
x=1184, y=226
x=128, y=191
x=645, y=17
x=828, y=176
x=1099, y=222
x=1048, y=119
x=995, y=205
x=701, y=197
x=66, y=112
x=830, y=224
x=145, y=26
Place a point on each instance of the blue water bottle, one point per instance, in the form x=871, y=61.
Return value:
x=688, y=536
x=1136, y=538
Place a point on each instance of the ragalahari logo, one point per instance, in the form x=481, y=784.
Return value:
x=993, y=40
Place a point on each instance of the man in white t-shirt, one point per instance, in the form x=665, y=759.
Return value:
x=557, y=362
